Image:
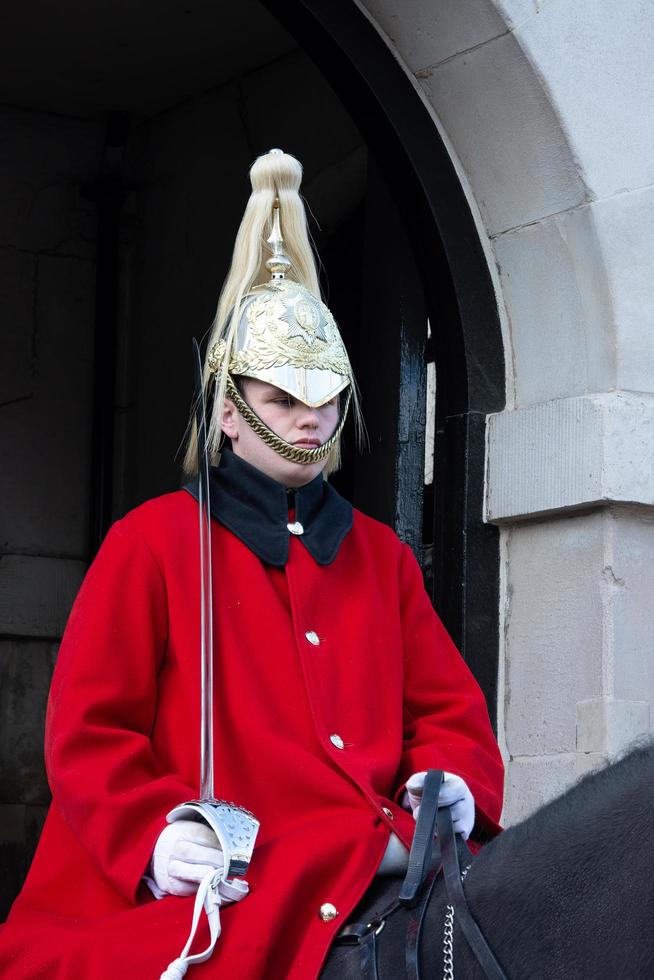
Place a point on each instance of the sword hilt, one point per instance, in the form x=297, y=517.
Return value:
x=234, y=826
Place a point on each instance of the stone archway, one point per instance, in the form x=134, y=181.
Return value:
x=552, y=151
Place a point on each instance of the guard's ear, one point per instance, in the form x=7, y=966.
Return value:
x=229, y=422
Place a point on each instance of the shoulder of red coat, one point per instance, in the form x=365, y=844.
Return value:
x=377, y=530
x=382, y=540
x=159, y=515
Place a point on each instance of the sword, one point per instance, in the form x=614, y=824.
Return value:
x=234, y=826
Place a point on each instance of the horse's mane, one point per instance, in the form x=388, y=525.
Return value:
x=571, y=884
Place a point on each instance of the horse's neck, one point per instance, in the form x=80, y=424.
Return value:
x=570, y=889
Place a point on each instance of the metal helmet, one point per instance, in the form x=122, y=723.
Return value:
x=287, y=337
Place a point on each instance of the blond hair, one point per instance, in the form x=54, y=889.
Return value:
x=276, y=177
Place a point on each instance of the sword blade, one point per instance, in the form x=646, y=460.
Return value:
x=235, y=827
x=206, y=601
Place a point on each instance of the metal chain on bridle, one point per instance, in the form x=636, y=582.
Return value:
x=448, y=937
x=448, y=944
x=457, y=902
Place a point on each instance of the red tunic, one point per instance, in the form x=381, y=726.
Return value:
x=122, y=744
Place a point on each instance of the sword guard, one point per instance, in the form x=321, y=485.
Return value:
x=234, y=826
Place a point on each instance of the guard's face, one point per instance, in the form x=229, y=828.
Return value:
x=291, y=420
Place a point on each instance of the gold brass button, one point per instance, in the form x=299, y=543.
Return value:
x=313, y=638
x=328, y=912
x=295, y=528
x=389, y=813
x=337, y=741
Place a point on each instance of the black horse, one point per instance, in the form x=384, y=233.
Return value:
x=566, y=895
x=569, y=893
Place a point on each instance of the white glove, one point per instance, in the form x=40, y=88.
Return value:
x=185, y=851
x=454, y=793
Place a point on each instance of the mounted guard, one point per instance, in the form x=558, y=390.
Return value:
x=329, y=684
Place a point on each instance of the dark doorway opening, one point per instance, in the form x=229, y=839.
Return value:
x=130, y=143
x=428, y=219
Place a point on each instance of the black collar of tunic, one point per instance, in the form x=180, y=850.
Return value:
x=255, y=508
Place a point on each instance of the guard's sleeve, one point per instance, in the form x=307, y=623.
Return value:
x=102, y=770
x=445, y=717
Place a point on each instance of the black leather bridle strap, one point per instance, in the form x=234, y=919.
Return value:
x=420, y=876
x=368, y=953
x=420, y=856
x=456, y=897
x=414, y=928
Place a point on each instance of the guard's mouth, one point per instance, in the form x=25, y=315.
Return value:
x=308, y=443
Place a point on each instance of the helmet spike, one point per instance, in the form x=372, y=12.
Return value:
x=279, y=263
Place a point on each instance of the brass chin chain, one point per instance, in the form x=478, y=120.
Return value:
x=296, y=454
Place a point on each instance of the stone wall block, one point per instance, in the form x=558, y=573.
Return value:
x=25, y=673
x=569, y=453
x=36, y=594
x=627, y=420
x=598, y=72
x=608, y=726
x=505, y=133
x=625, y=227
x=515, y=12
x=590, y=762
x=559, y=307
x=531, y=782
x=553, y=646
x=628, y=577
x=543, y=458
x=426, y=33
